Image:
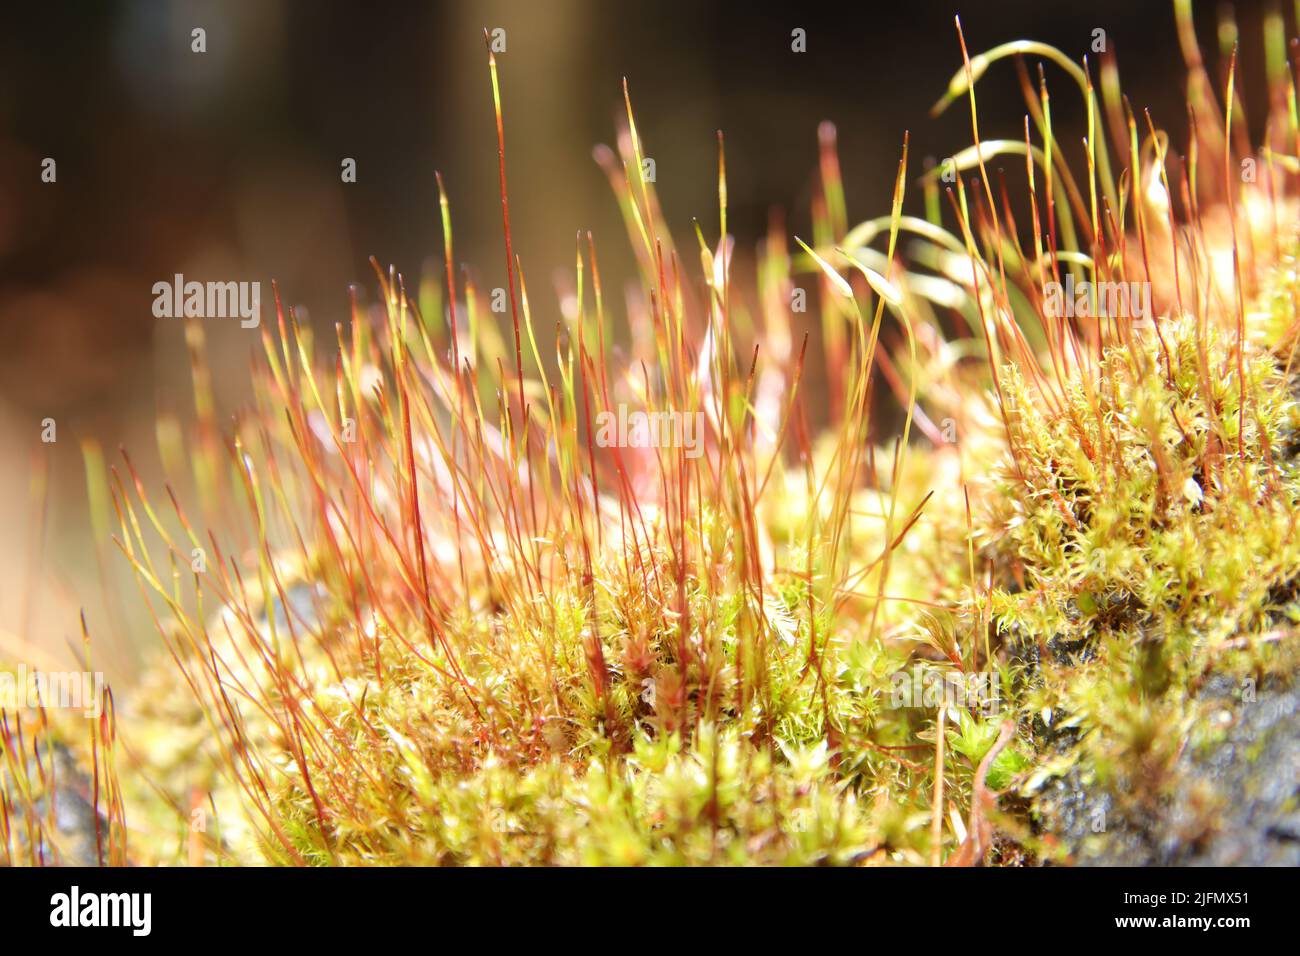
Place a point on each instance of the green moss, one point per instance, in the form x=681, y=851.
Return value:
x=1153, y=534
x=514, y=649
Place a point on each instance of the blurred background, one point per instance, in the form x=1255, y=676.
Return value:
x=226, y=165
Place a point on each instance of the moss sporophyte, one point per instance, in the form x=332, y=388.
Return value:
x=979, y=565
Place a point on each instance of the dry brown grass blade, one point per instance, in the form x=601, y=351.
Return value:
x=979, y=831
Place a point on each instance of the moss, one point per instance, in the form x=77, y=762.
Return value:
x=459, y=633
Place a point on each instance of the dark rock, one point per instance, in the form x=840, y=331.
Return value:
x=74, y=822
x=1237, y=802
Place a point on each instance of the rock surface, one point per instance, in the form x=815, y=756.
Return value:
x=1238, y=802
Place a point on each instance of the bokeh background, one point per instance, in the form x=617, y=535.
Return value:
x=226, y=165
